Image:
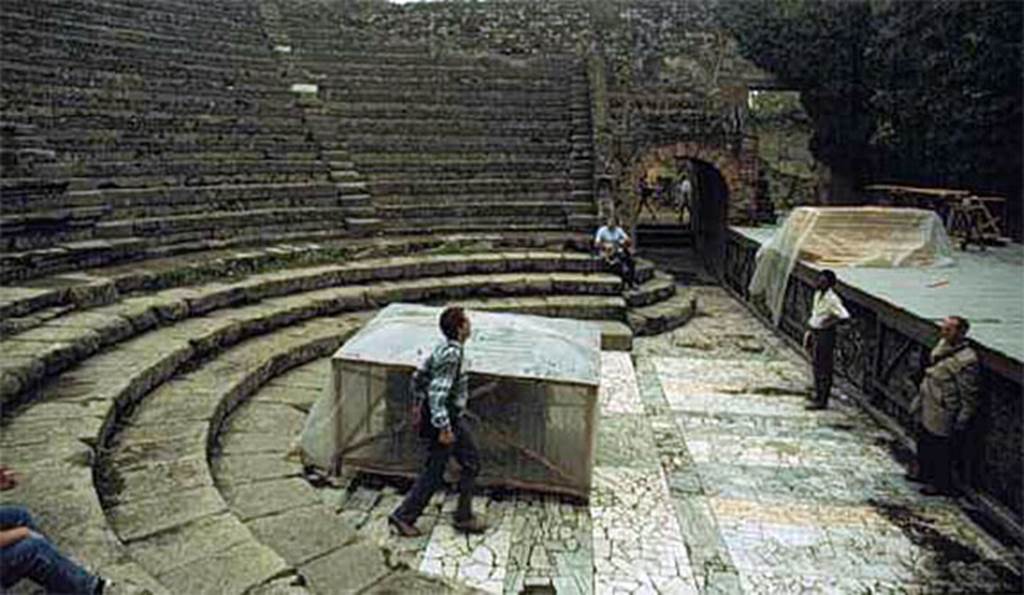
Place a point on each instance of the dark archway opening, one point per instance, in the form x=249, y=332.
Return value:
x=688, y=236
x=710, y=217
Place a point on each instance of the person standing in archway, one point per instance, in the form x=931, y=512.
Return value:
x=685, y=194
x=444, y=430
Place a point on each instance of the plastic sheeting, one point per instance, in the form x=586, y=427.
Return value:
x=533, y=392
x=837, y=237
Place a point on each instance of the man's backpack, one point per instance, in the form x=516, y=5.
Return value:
x=419, y=385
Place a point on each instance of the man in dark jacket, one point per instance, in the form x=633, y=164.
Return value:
x=945, y=403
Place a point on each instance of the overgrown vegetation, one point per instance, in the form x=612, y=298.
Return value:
x=925, y=92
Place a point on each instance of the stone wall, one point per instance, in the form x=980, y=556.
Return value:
x=791, y=175
x=662, y=72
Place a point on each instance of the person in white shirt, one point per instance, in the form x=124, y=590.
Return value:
x=613, y=245
x=685, y=194
x=827, y=311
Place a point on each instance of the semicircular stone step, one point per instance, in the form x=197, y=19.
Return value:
x=62, y=342
x=158, y=491
x=325, y=547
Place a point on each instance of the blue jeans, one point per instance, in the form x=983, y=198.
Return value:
x=35, y=558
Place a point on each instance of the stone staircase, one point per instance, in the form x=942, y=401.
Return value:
x=174, y=131
x=445, y=140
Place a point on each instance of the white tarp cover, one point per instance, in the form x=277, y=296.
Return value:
x=516, y=345
x=533, y=391
x=837, y=237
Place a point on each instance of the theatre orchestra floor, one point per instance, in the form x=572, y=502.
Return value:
x=710, y=477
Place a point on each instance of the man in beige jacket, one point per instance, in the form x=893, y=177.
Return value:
x=945, y=403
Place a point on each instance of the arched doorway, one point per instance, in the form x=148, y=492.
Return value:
x=710, y=207
x=696, y=233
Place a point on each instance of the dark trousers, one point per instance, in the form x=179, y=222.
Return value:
x=432, y=477
x=35, y=558
x=935, y=459
x=623, y=264
x=823, y=345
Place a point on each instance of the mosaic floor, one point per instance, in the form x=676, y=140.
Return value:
x=710, y=477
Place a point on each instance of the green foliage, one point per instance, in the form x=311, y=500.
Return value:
x=928, y=92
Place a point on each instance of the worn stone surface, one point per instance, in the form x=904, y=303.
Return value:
x=786, y=499
x=251, y=500
x=147, y=481
x=234, y=569
x=205, y=537
x=141, y=518
x=250, y=467
x=354, y=567
x=301, y=534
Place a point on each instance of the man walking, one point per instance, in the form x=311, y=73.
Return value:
x=442, y=384
x=946, y=401
x=827, y=311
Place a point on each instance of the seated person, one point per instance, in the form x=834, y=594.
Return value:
x=26, y=553
x=613, y=245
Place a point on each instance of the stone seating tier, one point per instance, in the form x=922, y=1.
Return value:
x=494, y=186
x=58, y=343
x=348, y=64
x=417, y=96
x=26, y=75
x=90, y=46
x=573, y=199
x=169, y=230
x=320, y=50
x=128, y=123
x=63, y=102
x=537, y=210
x=164, y=13
x=192, y=172
x=491, y=165
x=29, y=264
x=70, y=20
x=389, y=109
x=351, y=127
x=513, y=145
x=230, y=73
x=542, y=87
x=103, y=285
x=177, y=199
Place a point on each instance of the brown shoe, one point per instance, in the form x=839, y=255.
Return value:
x=403, y=528
x=472, y=525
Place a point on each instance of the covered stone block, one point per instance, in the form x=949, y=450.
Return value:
x=533, y=399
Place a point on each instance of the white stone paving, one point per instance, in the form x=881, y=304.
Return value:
x=618, y=392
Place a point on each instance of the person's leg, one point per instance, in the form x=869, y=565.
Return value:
x=824, y=363
x=925, y=456
x=468, y=456
x=629, y=264
x=942, y=464
x=426, y=484
x=17, y=516
x=36, y=559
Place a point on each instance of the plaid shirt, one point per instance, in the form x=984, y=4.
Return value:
x=442, y=382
